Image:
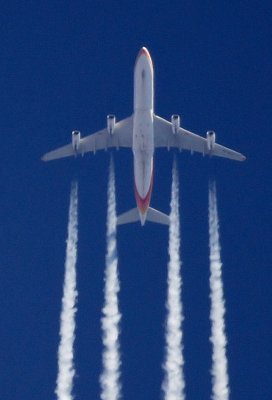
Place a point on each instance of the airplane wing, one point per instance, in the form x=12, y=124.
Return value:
x=183, y=139
x=101, y=140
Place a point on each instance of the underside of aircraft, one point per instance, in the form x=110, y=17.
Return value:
x=143, y=132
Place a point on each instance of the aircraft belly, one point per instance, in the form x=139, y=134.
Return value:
x=143, y=171
x=143, y=135
x=143, y=149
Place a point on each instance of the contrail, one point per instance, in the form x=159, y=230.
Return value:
x=174, y=384
x=218, y=339
x=110, y=377
x=66, y=370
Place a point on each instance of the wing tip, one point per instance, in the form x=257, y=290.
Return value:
x=242, y=157
x=45, y=157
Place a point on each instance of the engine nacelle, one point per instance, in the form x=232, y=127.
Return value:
x=210, y=140
x=75, y=140
x=175, y=120
x=111, y=123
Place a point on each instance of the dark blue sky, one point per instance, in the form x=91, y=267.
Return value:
x=65, y=66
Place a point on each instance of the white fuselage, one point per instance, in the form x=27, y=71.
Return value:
x=143, y=135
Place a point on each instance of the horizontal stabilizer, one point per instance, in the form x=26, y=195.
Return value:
x=128, y=217
x=157, y=216
x=152, y=215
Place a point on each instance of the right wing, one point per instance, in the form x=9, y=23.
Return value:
x=101, y=140
x=183, y=139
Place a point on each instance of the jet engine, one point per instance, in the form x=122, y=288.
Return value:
x=75, y=140
x=175, y=120
x=210, y=140
x=111, y=123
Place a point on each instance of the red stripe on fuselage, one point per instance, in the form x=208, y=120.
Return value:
x=143, y=203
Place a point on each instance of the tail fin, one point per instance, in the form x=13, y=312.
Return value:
x=152, y=215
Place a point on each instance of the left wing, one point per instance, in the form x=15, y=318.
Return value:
x=183, y=139
x=101, y=140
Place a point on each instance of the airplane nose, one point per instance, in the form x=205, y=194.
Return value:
x=144, y=52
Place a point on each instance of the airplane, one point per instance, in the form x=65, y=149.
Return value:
x=143, y=131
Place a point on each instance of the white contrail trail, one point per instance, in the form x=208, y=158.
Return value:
x=174, y=384
x=110, y=377
x=218, y=339
x=66, y=370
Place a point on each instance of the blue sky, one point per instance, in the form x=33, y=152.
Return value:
x=65, y=66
